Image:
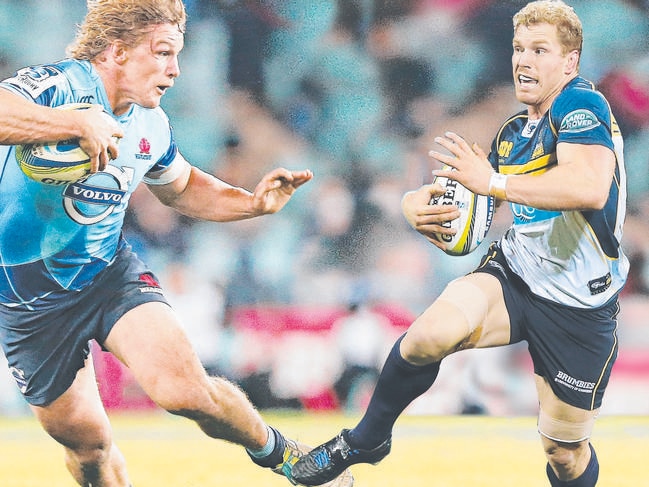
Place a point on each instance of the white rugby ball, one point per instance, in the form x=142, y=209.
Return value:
x=476, y=214
x=55, y=163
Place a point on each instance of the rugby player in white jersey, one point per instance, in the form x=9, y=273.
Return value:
x=552, y=280
x=66, y=274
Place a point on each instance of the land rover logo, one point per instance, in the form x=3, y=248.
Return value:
x=579, y=121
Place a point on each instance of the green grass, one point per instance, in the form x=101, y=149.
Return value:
x=431, y=451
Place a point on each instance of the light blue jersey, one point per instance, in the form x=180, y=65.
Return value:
x=573, y=258
x=56, y=239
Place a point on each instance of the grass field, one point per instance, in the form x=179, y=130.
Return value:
x=431, y=451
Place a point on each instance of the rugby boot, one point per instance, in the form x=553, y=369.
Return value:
x=329, y=460
x=292, y=452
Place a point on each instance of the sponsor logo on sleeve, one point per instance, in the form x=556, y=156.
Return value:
x=35, y=80
x=579, y=121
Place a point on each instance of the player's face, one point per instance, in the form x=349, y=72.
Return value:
x=151, y=67
x=541, y=68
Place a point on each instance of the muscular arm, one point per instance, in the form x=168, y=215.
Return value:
x=200, y=195
x=581, y=180
x=24, y=122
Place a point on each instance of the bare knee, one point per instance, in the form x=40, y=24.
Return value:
x=448, y=325
x=96, y=463
x=423, y=345
x=560, y=454
x=568, y=460
x=87, y=448
x=421, y=349
x=91, y=442
x=89, y=458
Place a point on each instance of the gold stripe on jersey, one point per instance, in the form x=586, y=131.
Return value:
x=535, y=166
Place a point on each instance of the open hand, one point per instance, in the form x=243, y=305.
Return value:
x=276, y=188
x=473, y=169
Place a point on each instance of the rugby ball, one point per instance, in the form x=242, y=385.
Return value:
x=55, y=163
x=476, y=214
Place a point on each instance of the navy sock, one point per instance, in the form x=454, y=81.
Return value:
x=399, y=384
x=586, y=479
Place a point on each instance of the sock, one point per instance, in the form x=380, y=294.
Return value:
x=586, y=479
x=272, y=453
x=399, y=384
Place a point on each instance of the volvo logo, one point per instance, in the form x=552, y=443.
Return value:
x=93, y=198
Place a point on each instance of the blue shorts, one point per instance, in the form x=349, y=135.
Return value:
x=46, y=349
x=573, y=348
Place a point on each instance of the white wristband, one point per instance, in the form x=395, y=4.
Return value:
x=498, y=186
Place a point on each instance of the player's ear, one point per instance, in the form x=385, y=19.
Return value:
x=572, y=62
x=118, y=51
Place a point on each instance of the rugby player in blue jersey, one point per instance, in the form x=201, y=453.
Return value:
x=552, y=280
x=66, y=274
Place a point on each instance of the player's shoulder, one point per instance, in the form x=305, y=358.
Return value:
x=154, y=119
x=578, y=93
x=579, y=107
x=156, y=113
x=49, y=83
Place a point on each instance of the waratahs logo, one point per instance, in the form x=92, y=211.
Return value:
x=92, y=199
x=145, y=150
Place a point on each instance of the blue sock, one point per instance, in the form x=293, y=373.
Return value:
x=399, y=384
x=271, y=454
x=586, y=479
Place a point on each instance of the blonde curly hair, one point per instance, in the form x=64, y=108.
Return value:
x=126, y=20
x=557, y=13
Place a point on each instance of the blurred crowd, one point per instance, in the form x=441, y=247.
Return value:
x=355, y=90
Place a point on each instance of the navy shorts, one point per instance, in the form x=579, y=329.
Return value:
x=46, y=349
x=573, y=348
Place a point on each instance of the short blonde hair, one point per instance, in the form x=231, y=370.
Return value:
x=126, y=20
x=557, y=13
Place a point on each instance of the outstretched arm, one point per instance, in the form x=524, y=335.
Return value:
x=581, y=179
x=200, y=195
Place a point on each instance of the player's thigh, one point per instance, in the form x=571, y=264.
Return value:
x=470, y=313
x=151, y=342
x=77, y=418
x=560, y=422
